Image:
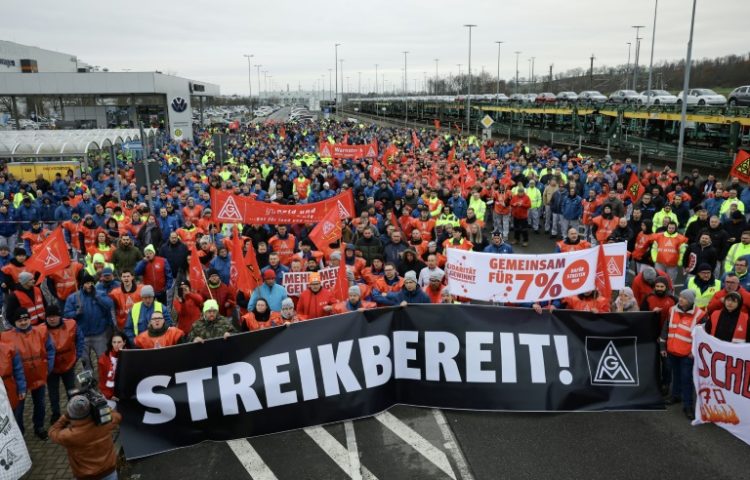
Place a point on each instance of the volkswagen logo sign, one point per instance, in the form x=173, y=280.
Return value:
x=179, y=104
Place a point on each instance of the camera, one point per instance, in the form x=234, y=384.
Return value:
x=100, y=410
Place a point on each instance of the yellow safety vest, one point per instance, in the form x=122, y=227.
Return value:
x=702, y=299
x=135, y=313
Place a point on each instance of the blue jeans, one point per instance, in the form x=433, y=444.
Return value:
x=682, y=380
x=38, y=397
x=53, y=384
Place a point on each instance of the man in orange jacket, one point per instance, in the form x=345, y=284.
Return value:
x=315, y=301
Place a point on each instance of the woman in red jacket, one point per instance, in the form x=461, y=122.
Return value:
x=188, y=306
x=108, y=367
x=259, y=318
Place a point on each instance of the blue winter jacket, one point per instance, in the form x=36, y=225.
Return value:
x=92, y=312
x=395, y=298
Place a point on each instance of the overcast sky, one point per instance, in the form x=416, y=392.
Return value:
x=294, y=40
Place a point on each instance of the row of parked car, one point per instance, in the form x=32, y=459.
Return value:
x=695, y=96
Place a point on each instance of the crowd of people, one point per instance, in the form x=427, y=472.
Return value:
x=128, y=284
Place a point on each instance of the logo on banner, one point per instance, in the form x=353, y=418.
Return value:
x=614, y=268
x=327, y=228
x=343, y=212
x=371, y=152
x=179, y=104
x=51, y=259
x=325, y=151
x=230, y=211
x=612, y=361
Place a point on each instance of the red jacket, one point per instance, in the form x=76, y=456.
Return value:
x=653, y=301
x=64, y=338
x=311, y=304
x=519, y=206
x=32, y=346
x=224, y=295
x=641, y=288
x=188, y=310
x=600, y=304
x=107, y=368
x=154, y=274
x=717, y=302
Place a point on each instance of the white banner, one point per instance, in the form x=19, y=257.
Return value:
x=296, y=282
x=14, y=457
x=721, y=374
x=517, y=278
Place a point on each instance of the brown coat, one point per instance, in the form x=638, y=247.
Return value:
x=91, y=452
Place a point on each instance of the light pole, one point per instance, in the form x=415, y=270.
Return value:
x=685, y=87
x=330, y=84
x=637, y=51
x=257, y=69
x=627, y=67
x=517, y=54
x=458, y=79
x=359, y=84
x=468, y=96
x=249, y=79
x=341, y=63
x=497, y=90
x=435, y=90
x=336, y=66
x=533, y=80
x=406, y=84
x=376, y=79
x=653, y=40
x=406, y=91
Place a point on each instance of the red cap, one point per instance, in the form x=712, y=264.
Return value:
x=269, y=275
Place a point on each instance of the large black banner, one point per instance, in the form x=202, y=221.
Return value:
x=361, y=363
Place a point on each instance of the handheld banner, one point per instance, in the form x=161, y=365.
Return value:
x=230, y=208
x=14, y=457
x=361, y=363
x=343, y=150
x=721, y=373
x=296, y=282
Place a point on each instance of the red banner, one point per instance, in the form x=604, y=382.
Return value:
x=342, y=150
x=326, y=232
x=230, y=208
x=635, y=188
x=741, y=167
x=50, y=256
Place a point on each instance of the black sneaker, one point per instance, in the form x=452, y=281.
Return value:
x=41, y=435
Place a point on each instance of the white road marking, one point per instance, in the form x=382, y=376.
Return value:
x=338, y=453
x=351, y=444
x=250, y=459
x=416, y=441
x=452, y=445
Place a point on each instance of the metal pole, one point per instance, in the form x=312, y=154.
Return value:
x=637, y=51
x=257, y=69
x=406, y=91
x=250, y=80
x=376, y=80
x=497, y=90
x=640, y=155
x=468, y=96
x=653, y=41
x=627, y=67
x=533, y=79
x=435, y=90
x=359, y=84
x=146, y=154
x=330, y=83
x=591, y=73
x=336, y=66
x=685, y=87
x=341, y=62
x=517, y=54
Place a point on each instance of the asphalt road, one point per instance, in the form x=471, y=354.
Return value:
x=418, y=443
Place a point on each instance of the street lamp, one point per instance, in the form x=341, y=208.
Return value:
x=627, y=67
x=257, y=69
x=336, y=66
x=458, y=79
x=653, y=40
x=637, y=52
x=249, y=79
x=341, y=63
x=376, y=80
x=330, y=84
x=497, y=92
x=685, y=87
x=517, y=54
x=435, y=90
x=406, y=85
x=406, y=91
x=468, y=96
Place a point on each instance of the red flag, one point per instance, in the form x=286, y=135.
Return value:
x=195, y=274
x=602, y=275
x=251, y=263
x=435, y=144
x=451, y=155
x=50, y=256
x=239, y=275
x=394, y=220
x=346, y=139
x=390, y=151
x=376, y=171
x=327, y=231
x=437, y=124
x=635, y=188
x=741, y=167
x=507, y=180
x=482, y=154
x=414, y=139
x=282, y=132
x=341, y=289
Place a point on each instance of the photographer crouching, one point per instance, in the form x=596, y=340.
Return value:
x=85, y=430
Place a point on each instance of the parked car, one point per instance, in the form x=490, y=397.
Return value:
x=570, y=97
x=740, y=96
x=546, y=97
x=529, y=98
x=501, y=98
x=656, y=97
x=591, y=96
x=624, y=96
x=703, y=96
x=517, y=97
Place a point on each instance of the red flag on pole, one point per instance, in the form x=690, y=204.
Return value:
x=282, y=132
x=635, y=188
x=239, y=275
x=602, y=275
x=451, y=155
x=50, y=256
x=326, y=232
x=507, y=180
x=195, y=272
x=415, y=139
x=435, y=144
x=390, y=151
x=376, y=171
x=437, y=124
x=741, y=167
x=341, y=289
x=251, y=263
x=482, y=154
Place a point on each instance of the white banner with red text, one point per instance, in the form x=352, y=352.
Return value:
x=518, y=278
x=721, y=374
x=296, y=282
